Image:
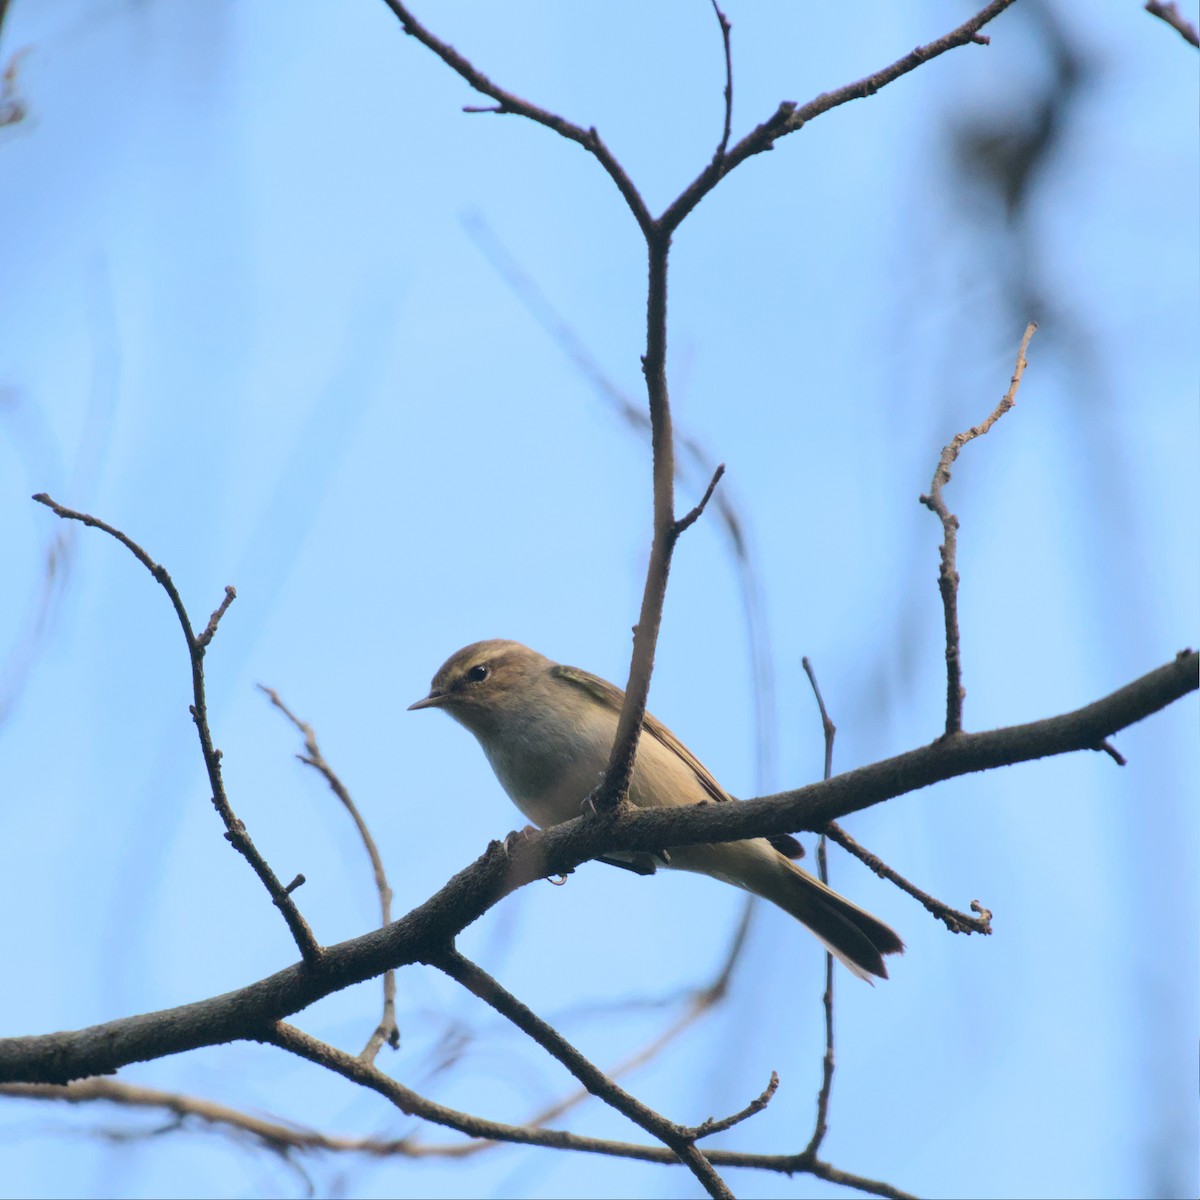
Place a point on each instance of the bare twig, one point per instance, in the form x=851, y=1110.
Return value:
x=955, y=921
x=828, y=1060
x=235, y=829
x=677, y=1138
x=242, y=1013
x=948, y=574
x=210, y=629
x=790, y=117
x=713, y=1125
x=688, y=520
x=723, y=144
x=282, y=1137
x=828, y=728
x=387, y=1030
x=1173, y=17
x=507, y=102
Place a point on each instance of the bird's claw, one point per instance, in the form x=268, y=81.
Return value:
x=516, y=837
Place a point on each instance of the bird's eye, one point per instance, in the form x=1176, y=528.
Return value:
x=478, y=673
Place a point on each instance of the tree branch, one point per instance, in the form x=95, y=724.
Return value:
x=1173, y=17
x=619, y=772
x=828, y=1059
x=658, y=233
x=681, y=1141
x=423, y=932
x=235, y=829
x=790, y=117
x=508, y=102
x=948, y=573
x=387, y=1030
x=280, y=1136
x=955, y=921
x=723, y=144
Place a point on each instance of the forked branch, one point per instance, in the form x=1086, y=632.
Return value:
x=948, y=573
x=235, y=829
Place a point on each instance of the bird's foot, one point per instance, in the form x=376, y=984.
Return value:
x=512, y=840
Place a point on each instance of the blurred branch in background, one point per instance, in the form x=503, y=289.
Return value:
x=27, y=421
x=1173, y=17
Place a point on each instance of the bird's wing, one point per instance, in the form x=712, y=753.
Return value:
x=613, y=697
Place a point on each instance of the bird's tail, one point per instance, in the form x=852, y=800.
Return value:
x=851, y=934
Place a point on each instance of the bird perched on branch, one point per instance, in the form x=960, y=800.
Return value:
x=548, y=731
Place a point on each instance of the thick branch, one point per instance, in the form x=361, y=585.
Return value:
x=429, y=928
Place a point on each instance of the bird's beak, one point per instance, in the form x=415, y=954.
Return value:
x=433, y=700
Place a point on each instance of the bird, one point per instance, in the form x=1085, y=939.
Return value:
x=547, y=731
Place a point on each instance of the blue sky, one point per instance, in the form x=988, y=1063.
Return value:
x=249, y=317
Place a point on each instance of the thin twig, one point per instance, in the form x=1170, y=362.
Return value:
x=955, y=921
x=828, y=728
x=713, y=1125
x=507, y=102
x=790, y=117
x=481, y=984
x=1173, y=17
x=210, y=630
x=723, y=145
x=787, y=118
x=283, y=1137
x=687, y=521
x=235, y=829
x=948, y=573
x=828, y=1060
x=387, y=1029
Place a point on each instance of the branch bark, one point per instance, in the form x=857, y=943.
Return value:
x=423, y=933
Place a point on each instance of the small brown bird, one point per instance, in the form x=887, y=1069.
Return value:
x=548, y=730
